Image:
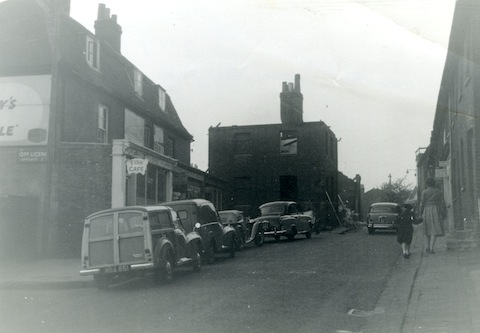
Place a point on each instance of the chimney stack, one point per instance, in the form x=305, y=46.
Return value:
x=107, y=29
x=291, y=102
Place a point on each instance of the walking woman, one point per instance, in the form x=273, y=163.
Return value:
x=433, y=212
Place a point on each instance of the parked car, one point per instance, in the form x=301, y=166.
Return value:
x=201, y=216
x=284, y=218
x=127, y=241
x=246, y=232
x=382, y=215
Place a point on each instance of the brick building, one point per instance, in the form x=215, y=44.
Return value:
x=81, y=129
x=293, y=160
x=453, y=155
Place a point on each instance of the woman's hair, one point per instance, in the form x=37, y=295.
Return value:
x=430, y=182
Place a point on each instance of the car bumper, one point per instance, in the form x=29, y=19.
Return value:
x=382, y=226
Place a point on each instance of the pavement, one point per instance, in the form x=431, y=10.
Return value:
x=427, y=293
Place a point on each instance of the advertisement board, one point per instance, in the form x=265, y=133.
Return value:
x=24, y=110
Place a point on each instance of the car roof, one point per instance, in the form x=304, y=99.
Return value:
x=277, y=203
x=384, y=204
x=130, y=208
x=231, y=211
x=188, y=201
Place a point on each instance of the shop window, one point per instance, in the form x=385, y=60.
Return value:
x=92, y=53
x=102, y=124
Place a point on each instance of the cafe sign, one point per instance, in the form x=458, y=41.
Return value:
x=137, y=165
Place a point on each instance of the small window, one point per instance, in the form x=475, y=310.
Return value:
x=102, y=124
x=162, y=97
x=288, y=142
x=148, y=137
x=138, y=82
x=159, y=220
x=134, y=127
x=170, y=148
x=158, y=145
x=130, y=222
x=92, y=52
x=101, y=226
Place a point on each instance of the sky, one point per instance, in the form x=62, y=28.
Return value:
x=369, y=69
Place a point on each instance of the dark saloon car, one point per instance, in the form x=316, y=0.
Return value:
x=246, y=232
x=201, y=216
x=284, y=218
x=128, y=241
x=382, y=216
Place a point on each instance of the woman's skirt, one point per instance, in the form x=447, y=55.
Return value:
x=432, y=221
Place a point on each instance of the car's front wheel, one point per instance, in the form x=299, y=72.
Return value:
x=209, y=255
x=197, y=261
x=259, y=238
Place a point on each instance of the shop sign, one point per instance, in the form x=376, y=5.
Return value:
x=32, y=155
x=137, y=165
x=24, y=110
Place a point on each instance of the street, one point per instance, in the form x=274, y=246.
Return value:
x=307, y=285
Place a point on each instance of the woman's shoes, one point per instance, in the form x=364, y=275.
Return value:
x=406, y=255
x=429, y=251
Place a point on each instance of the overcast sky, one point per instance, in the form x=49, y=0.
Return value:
x=370, y=70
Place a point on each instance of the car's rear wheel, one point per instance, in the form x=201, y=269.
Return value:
x=165, y=268
x=290, y=237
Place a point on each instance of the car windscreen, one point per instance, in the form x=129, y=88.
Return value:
x=384, y=209
x=272, y=210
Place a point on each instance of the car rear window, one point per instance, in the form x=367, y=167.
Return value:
x=272, y=210
x=384, y=209
x=130, y=222
x=101, y=226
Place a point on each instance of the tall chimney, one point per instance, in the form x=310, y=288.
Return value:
x=107, y=29
x=291, y=102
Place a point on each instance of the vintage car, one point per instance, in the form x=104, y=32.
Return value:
x=382, y=215
x=127, y=241
x=201, y=216
x=284, y=218
x=246, y=232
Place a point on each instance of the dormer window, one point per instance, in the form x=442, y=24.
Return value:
x=92, y=53
x=138, y=82
x=162, y=96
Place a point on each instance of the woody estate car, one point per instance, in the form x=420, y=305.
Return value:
x=284, y=218
x=246, y=232
x=123, y=242
x=382, y=216
x=200, y=215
